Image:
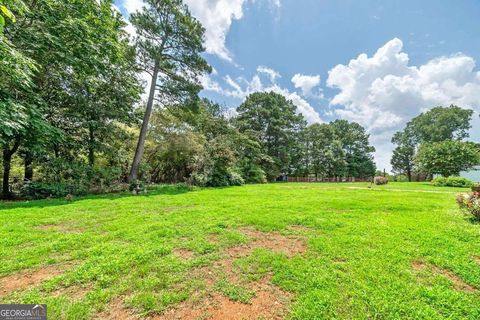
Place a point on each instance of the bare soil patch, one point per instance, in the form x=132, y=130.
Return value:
x=31, y=278
x=458, y=283
x=274, y=241
x=184, y=254
x=476, y=259
x=75, y=292
x=116, y=310
x=269, y=302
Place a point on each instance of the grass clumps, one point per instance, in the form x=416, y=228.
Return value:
x=234, y=292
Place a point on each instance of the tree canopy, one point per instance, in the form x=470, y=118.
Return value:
x=436, y=125
x=448, y=157
x=72, y=120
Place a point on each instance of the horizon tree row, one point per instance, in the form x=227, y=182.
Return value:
x=71, y=122
x=266, y=140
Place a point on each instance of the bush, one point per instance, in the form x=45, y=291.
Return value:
x=252, y=173
x=236, y=179
x=401, y=178
x=137, y=187
x=458, y=182
x=380, y=180
x=470, y=202
x=41, y=190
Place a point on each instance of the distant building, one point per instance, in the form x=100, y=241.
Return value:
x=473, y=174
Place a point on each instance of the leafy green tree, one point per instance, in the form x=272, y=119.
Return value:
x=210, y=120
x=356, y=146
x=82, y=84
x=324, y=151
x=272, y=121
x=435, y=125
x=169, y=43
x=172, y=148
x=448, y=157
x=403, y=158
x=439, y=124
x=17, y=112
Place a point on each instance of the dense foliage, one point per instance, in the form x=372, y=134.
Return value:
x=431, y=143
x=203, y=147
x=458, y=182
x=169, y=42
x=448, y=157
x=67, y=89
x=71, y=115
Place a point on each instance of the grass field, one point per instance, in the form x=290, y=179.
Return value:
x=293, y=251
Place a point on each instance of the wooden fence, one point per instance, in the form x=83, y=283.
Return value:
x=334, y=179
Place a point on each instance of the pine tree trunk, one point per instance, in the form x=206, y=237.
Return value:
x=143, y=132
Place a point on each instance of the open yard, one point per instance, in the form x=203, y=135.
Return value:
x=294, y=251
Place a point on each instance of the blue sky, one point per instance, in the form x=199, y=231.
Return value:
x=378, y=63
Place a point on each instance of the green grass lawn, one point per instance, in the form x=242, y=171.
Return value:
x=294, y=251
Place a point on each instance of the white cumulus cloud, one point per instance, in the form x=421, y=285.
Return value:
x=306, y=83
x=216, y=17
x=384, y=91
x=241, y=88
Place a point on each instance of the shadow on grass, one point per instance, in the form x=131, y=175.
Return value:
x=152, y=191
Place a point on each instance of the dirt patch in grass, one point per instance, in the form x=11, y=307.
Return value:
x=31, y=278
x=184, y=254
x=268, y=301
x=476, y=259
x=116, y=310
x=458, y=283
x=213, y=238
x=75, y=292
x=274, y=241
x=418, y=265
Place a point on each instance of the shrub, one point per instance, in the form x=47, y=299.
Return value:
x=458, y=182
x=470, y=202
x=40, y=190
x=401, y=178
x=236, y=179
x=137, y=187
x=380, y=180
x=252, y=173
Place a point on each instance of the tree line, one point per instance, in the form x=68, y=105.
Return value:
x=72, y=120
